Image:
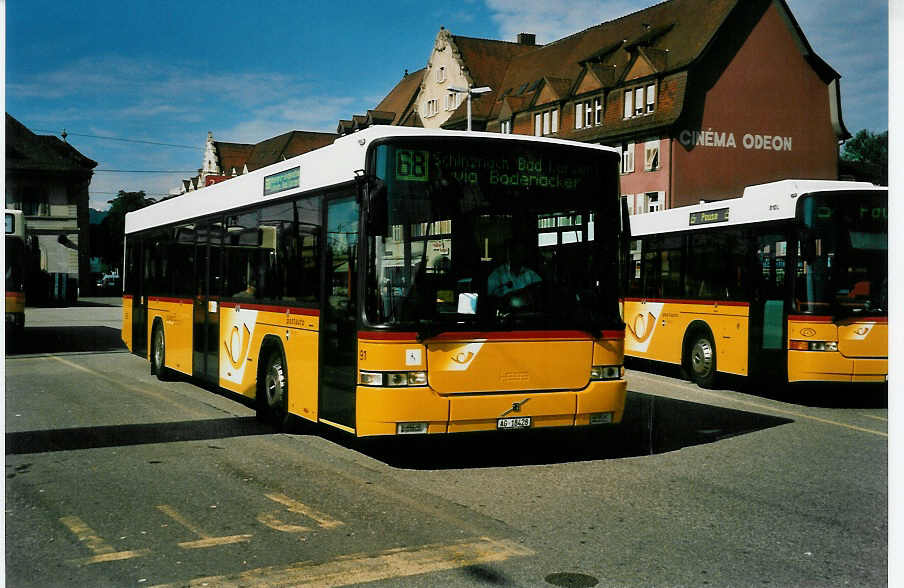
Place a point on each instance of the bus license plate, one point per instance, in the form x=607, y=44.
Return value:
x=513, y=423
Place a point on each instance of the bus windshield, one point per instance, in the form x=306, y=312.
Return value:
x=843, y=267
x=494, y=235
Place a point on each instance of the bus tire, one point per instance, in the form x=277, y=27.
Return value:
x=158, y=352
x=273, y=390
x=700, y=359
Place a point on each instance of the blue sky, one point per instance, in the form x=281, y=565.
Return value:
x=170, y=71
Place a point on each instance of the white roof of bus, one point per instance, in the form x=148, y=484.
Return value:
x=762, y=202
x=327, y=166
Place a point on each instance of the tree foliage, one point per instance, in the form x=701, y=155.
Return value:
x=110, y=233
x=865, y=156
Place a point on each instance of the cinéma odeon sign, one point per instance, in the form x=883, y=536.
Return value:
x=726, y=140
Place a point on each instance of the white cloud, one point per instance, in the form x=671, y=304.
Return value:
x=552, y=20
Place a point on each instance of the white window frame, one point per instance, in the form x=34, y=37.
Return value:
x=440, y=74
x=505, y=127
x=638, y=101
x=450, y=100
x=431, y=107
x=649, y=149
x=628, y=158
x=598, y=110
x=651, y=98
x=629, y=200
x=652, y=201
x=629, y=108
x=578, y=115
x=546, y=122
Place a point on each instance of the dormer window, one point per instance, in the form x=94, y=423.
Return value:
x=588, y=113
x=546, y=122
x=640, y=100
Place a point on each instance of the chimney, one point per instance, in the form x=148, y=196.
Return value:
x=527, y=39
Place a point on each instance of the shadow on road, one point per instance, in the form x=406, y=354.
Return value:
x=65, y=340
x=122, y=435
x=651, y=425
x=813, y=394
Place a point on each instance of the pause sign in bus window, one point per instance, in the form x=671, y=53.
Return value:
x=411, y=165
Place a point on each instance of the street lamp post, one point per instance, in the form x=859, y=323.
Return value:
x=470, y=92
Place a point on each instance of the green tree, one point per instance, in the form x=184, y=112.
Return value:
x=865, y=157
x=112, y=228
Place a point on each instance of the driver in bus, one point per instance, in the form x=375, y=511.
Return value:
x=511, y=276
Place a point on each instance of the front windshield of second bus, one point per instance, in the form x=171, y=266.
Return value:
x=843, y=265
x=494, y=235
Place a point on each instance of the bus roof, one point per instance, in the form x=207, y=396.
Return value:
x=762, y=202
x=328, y=166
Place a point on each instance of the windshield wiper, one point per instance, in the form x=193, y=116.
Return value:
x=429, y=328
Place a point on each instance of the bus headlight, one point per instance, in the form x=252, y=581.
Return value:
x=813, y=345
x=392, y=379
x=606, y=372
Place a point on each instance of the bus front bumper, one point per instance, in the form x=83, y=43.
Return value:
x=816, y=366
x=392, y=411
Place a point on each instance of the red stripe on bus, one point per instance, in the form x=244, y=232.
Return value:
x=272, y=308
x=16, y=295
x=168, y=299
x=690, y=301
x=490, y=335
x=809, y=318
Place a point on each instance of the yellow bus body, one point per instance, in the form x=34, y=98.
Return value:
x=464, y=379
x=862, y=354
x=656, y=329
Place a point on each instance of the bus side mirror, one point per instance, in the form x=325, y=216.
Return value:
x=372, y=196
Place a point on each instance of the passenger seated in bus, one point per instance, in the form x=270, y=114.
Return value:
x=511, y=276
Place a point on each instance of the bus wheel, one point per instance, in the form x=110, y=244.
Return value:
x=158, y=353
x=702, y=360
x=273, y=392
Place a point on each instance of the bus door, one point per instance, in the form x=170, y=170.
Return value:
x=767, y=353
x=338, y=327
x=207, y=279
x=135, y=275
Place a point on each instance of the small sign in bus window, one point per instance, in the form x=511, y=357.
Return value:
x=412, y=165
x=10, y=224
x=708, y=216
x=284, y=180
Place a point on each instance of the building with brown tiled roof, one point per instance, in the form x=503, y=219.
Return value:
x=703, y=97
x=48, y=179
x=224, y=160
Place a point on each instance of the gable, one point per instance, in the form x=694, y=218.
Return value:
x=640, y=68
x=588, y=83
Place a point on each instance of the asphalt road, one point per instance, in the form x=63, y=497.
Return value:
x=116, y=479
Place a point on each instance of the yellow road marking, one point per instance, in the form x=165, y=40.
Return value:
x=360, y=568
x=878, y=418
x=103, y=552
x=205, y=540
x=271, y=520
x=324, y=520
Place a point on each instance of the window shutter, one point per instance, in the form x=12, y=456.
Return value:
x=578, y=114
x=629, y=110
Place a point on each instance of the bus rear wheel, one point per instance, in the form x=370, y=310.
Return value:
x=273, y=392
x=158, y=353
x=701, y=360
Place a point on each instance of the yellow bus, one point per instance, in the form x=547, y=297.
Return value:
x=16, y=256
x=359, y=285
x=791, y=279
